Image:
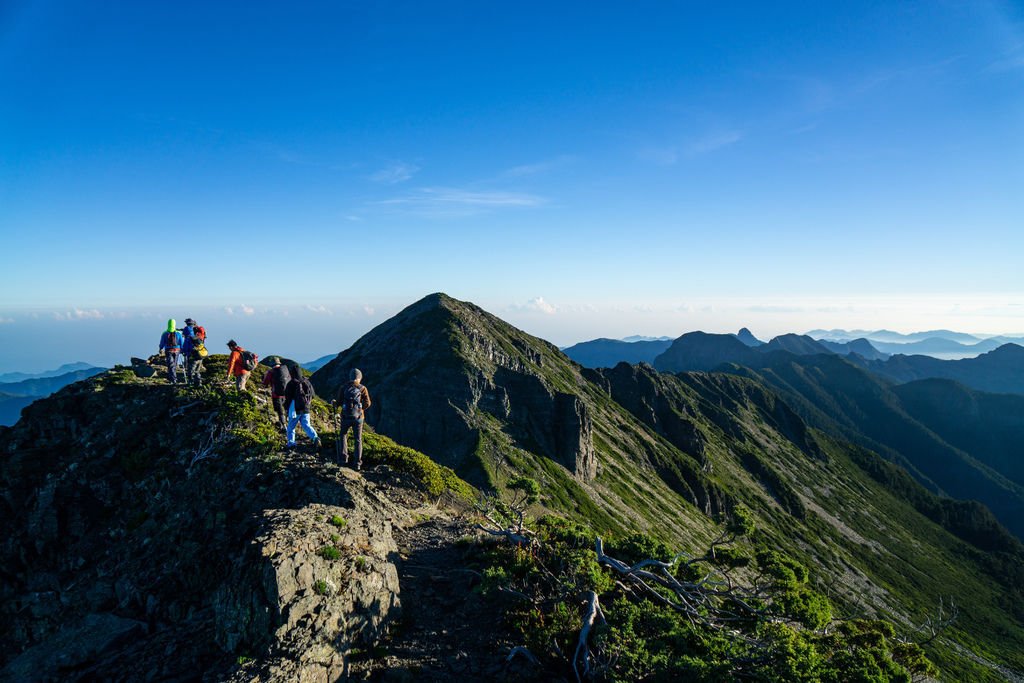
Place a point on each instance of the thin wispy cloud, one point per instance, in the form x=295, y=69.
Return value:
x=1011, y=62
x=397, y=172
x=6, y=321
x=771, y=308
x=452, y=201
x=669, y=155
x=662, y=156
x=242, y=310
x=537, y=168
x=290, y=156
x=319, y=310
x=714, y=141
x=79, y=314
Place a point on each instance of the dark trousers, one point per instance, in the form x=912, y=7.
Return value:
x=357, y=432
x=172, y=365
x=282, y=414
x=193, y=370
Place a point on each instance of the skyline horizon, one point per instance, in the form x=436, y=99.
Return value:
x=33, y=339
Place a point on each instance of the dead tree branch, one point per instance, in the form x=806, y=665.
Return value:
x=944, y=617
x=207, y=448
x=583, y=654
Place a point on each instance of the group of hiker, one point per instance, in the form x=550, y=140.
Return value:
x=291, y=392
x=187, y=343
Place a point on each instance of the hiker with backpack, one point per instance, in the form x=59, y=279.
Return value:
x=240, y=364
x=277, y=378
x=299, y=395
x=170, y=346
x=353, y=400
x=194, y=350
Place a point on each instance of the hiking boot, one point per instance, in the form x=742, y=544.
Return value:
x=358, y=467
x=317, y=445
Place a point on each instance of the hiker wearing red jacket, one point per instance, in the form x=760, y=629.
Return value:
x=236, y=365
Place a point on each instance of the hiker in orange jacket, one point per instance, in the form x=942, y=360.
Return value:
x=236, y=367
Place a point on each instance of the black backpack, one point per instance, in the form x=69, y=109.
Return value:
x=352, y=402
x=304, y=392
x=249, y=360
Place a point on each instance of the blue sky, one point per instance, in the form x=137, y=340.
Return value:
x=598, y=169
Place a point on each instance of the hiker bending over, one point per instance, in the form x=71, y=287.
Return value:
x=353, y=400
x=194, y=351
x=170, y=347
x=277, y=378
x=299, y=395
x=240, y=364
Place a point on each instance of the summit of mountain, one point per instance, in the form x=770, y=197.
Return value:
x=800, y=344
x=861, y=346
x=748, y=338
x=704, y=351
x=606, y=353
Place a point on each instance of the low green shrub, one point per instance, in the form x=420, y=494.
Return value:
x=329, y=552
x=435, y=479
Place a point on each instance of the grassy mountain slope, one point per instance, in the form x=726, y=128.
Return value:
x=988, y=426
x=861, y=407
x=631, y=448
x=835, y=394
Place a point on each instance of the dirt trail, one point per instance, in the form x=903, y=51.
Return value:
x=448, y=630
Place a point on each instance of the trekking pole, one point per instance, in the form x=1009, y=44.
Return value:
x=336, y=419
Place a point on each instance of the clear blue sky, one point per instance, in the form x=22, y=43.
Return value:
x=582, y=169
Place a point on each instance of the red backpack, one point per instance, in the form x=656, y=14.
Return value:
x=199, y=333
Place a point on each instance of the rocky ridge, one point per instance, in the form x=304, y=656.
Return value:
x=149, y=540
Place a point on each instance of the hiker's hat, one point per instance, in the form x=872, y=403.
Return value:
x=232, y=342
x=190, y=321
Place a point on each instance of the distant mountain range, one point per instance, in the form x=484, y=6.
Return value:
x=841, y=396
x=315, y=365
x=607, y=353
x=939, y=343
x=895, y=337
x=998, y=371
x=8, y=377
x=19, y=389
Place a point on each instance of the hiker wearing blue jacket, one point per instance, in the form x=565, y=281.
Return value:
x=170, y=346
x=195, y=338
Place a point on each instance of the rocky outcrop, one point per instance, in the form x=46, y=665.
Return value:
x=656, y=400
x=133, y=559
x=309, y=607
x=574, y=444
